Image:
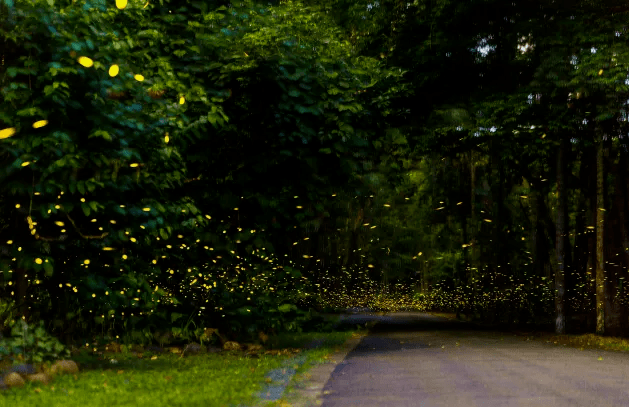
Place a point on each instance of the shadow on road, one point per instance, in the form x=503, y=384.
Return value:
x=410, y=321
x=383, y=330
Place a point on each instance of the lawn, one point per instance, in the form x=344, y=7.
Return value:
x=213, y=379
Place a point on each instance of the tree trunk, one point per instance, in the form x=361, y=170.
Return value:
x=624, y=186
x=21, y=289
x=536, y=237
x=615, y=229
x=560, y=239
x=578, y=277
x=473, y=223
x=600, y=264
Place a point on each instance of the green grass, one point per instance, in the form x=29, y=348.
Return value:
x=584, y=341
x=219, y=379
x=587, y=341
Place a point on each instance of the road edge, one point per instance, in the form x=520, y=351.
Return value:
x=308, y=389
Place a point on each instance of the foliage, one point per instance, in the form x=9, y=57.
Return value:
x=7, y=315
x=301, y=153
x=121, y=198
x=103, y=198
x=33, y=344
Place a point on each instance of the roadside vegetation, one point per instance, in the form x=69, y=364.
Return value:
x=168, y=378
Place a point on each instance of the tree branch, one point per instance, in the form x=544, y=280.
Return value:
x=85, y=236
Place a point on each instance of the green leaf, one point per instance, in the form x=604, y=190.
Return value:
x=159, y=207
x=48, y=269
x=325, y=150
x=86, y=208
x=287, y=308
x=175, y=316
x=347, y=128
x=101, y=133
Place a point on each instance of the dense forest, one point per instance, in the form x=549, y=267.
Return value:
x=174, y=165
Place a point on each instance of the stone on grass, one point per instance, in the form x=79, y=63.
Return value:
x=13, y=380
x=254, y=347
x=44, y=378
x=64, y=366
x=214, y=349
x=230, y=345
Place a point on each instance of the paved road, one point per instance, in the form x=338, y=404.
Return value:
x=416, y=359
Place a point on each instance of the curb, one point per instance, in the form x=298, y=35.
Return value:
x=308, y=392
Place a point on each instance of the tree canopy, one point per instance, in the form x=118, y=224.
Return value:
x=227, y=162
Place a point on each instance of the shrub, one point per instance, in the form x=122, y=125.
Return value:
x=34, y=344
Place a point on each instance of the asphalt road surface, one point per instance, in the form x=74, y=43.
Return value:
x=416, y=359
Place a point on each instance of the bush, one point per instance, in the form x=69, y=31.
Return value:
x=34, y=344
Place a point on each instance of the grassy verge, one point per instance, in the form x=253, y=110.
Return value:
x=332, y=343
x=584, y=341
x=215, y=379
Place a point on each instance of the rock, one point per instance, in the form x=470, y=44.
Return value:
x=252, y=347
x=44, y=378
x=13, y=380
x=214, y=349
x=175, y=349
x=156, y=349
x=230, y=345
x=64, y=366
